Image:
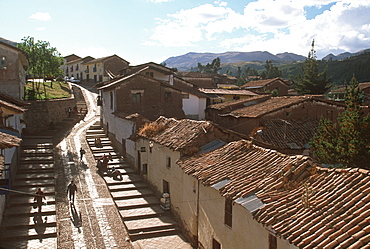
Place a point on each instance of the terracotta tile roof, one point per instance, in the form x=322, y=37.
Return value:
x=236, y=104
x=273, y=104
x=102, y=59
x=310, y=206
x=228, y=86
x=177, y=134
x=9, y=141
x=227, y=91
x=16, y=109
x=196, y=74
x=185, y=134
x=187, y=87
x=82, y=60
x=152, y=65
x=14, y=101
x=261, y=83
x=291, y=134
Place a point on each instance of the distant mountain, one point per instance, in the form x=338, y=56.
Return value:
x=186, y=61
x=345, y=55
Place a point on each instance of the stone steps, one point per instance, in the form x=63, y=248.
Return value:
x=36, y=170
x=136, y=202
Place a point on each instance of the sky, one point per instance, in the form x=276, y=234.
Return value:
x=142, y=31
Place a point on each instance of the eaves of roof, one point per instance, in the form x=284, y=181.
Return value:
x=8, y=141
x=14, y=108
x=102, y=59
x=273, y=104
x=233, y=103
x=307, y=205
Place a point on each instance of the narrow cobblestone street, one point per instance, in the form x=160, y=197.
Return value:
x=93, y=221
x=105, y=213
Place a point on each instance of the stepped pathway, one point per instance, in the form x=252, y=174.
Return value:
x=149, y=226
x=23, y=226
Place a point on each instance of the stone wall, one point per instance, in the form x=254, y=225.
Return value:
x=40, y=114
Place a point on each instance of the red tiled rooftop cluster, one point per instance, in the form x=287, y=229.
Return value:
x=310, y=206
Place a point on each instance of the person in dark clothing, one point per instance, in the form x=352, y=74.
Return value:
x=82, y=153
x=72, y=189
x=38, y=199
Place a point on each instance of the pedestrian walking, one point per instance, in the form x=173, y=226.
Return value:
x=72, y=189
x=82, y=153
x=38, y=199
x=69, y=111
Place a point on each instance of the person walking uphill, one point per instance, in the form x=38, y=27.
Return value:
x=38, y=199
x=82, y=153
x=72, y=189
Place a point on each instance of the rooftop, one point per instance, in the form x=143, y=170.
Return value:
x=310, y=206
x=261, y=83
x=291, y=134
x=274, y=103
x=185, y=133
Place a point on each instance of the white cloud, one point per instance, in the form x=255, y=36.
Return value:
x=221, y=3
x=41, y=16
x=187, y=27
x=40, y=28
x=270, y=25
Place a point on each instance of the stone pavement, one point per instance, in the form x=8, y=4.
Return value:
x=148, y=225
x=23, y=226
x=96, y=220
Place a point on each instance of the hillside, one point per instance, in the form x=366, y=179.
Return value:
x=345, y=55
x=185, y=62
x=340, y=71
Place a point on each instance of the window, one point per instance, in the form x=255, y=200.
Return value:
x=287, y=114
x=136, y=98
x=2, y=62
x=87, y=69
x=168, y=162
x=215, y=244
x=150, y=74
x=166, y=187
x=111, y=100
x=228, y=211
x=145, y=169
x=185, y=96
x=76, y=67
x=167, y=96
x=272, y=242
x=94, y=68
x=136, y=95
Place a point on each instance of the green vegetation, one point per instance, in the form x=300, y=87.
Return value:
x=53, y=90
x=346, y=142
x=338, y=71
x=311, y=81
x=270, y=71
x=214, y=67
x=44, y=61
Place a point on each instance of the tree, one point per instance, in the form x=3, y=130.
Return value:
x=312, y=82
x=271, y=71
x=214, y=67
x=43, y=61
x=347, y=142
